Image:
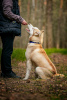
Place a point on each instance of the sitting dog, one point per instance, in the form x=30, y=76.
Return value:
x=37, y=57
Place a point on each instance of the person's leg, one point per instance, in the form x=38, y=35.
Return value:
x=6, y=69
x=7, y=42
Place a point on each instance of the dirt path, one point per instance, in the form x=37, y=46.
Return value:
x=52, y=89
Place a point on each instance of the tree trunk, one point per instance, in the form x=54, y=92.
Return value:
x=49, y=24
x=59, y=32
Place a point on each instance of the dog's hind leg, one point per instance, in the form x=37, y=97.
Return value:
x=40, y=72
x=43, y=73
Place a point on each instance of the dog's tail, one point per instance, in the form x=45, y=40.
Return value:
x=59, y=75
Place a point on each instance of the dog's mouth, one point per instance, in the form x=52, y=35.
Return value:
x=27, y=30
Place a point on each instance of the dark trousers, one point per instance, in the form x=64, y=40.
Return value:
x=7, y=43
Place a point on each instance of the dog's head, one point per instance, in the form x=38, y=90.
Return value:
x=35, y=34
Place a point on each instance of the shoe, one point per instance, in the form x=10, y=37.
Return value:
x=10, y=75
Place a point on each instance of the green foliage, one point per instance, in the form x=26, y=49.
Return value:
x=54, y=50
x=19, y=54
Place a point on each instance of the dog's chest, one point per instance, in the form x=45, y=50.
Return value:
x=29, y=50
x=28, y=53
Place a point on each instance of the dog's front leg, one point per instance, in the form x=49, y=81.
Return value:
x=29, y=65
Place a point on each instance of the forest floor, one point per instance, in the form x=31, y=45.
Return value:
x=51, y=89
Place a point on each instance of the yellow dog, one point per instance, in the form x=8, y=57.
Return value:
x=37, y=57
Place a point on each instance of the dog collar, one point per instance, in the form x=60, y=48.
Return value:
x=34, y=42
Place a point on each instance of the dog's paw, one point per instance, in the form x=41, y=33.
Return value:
x=24, y=79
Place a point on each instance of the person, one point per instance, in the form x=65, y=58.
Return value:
x=10, y=26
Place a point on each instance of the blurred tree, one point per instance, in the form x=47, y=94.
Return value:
x=59, y=32
x=49, y=23
x=47, y=15
x=64, y=34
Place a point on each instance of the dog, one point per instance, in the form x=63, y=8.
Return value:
x=37, y=57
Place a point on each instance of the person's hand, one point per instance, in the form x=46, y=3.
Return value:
x=24, y=22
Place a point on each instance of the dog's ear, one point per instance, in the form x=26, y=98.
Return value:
x=42, y=31
x=36, y=33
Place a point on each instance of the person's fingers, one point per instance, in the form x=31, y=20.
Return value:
x=24, y=22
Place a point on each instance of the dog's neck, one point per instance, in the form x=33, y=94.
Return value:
x=34, y=42
x=34, y=39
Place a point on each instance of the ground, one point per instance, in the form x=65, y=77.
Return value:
x=52, y=89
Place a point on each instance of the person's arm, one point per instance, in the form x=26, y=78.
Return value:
x=7, y=7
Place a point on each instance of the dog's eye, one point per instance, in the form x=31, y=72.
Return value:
x=36, y=34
